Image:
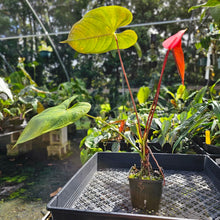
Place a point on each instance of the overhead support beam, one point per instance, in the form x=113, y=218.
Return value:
x=128, y=26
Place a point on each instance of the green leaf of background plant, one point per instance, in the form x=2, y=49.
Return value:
x=198, y=46
x=183, y=116
x=203, y=14
x=165, y=126
x=190, y=124
x=54, y=118
x=209, y=3
x=164, y=131
x=215, y=13
x=199, y=96
x=138, y=49
x=129, y=135
x=216, y=109
x=95, y=32
x=180, y=92
x=85, y=154
x=143, y=94
x=212, y=89
x=21, y=66
x=214, y=124
x=8, y=111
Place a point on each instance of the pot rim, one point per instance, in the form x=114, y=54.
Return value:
x=146, y=180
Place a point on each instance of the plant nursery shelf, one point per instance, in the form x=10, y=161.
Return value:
x=100, y=189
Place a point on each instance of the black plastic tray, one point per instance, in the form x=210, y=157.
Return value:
x=61, y=208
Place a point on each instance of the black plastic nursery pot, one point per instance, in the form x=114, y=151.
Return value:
x=100, y=189
x=146, y=194
x=45, y=54
x=211, y=149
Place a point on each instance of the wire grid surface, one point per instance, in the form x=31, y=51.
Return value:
x=187, y=194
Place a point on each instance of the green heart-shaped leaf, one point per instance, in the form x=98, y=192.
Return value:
x=95, y=32
x=54, y=118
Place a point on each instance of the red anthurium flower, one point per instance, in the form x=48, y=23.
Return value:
x=174, y=40
x=122, y=125
x=174, y=43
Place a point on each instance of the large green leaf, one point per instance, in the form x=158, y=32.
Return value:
x=95, y=32
x=54, y=118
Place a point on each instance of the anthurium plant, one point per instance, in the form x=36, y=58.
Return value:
x=96, y=33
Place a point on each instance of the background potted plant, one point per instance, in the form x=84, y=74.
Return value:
x=201, y=114
x=206, y=134
x=44, y=50
x=95, y=33
x=12, y=112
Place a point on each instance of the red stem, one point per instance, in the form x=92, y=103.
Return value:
x=154, y=105
x=151, y=114
x=129, y=88
x=160, y=169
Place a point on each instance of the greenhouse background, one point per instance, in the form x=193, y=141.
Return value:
x=59, y=108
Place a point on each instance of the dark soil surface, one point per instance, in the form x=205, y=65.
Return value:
x=26, y=185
